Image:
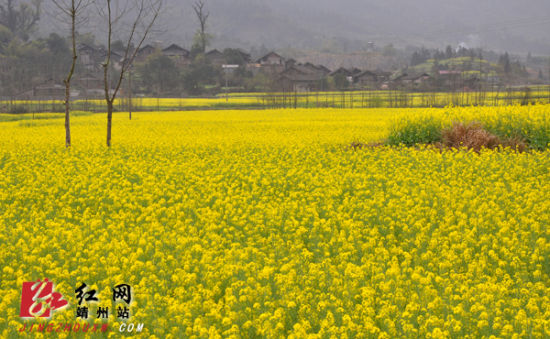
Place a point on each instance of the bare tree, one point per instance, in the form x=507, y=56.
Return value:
x=145, y=13
x=20, y=20
x=202, y=16
x=72, y=10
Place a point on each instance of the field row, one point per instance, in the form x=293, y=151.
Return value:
x=266, y=224
x=350, y=99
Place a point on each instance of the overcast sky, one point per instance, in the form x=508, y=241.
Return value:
x=513, y=25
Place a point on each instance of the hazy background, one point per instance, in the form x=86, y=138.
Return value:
x=347, y=25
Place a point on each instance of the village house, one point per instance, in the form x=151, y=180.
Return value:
x=90, y=58
x=300, y=83
x=323, y=69
x=271, y=59
x=302, y=78
x=215, y=57
x=90, y=84
x=116, y=58
x=271, y=64
x=244, y=56
x=412, y=81
x=144, y=52
x=371, y=79
x=342, y=71
x=179, y=55
x=449, y=79
x=345, y=73
x=287, y=75
x=290, y=62
x=49, y=90
x=317, y=69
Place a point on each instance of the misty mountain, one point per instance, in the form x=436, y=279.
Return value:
x=347, y=25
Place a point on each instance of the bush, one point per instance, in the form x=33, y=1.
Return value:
x=473, y=136
x=409, y=133
x=521, y=128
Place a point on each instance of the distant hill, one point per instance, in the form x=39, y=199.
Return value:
x=347, y=25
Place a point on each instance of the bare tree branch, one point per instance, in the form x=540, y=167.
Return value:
x=72, y=9
x=144, y=11
x=202, y=16
x=20, y=20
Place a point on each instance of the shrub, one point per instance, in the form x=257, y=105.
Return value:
x=520, y=128
x=471, y=136
x=409, y=133
x=516, y=143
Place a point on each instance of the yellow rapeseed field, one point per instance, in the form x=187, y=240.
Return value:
x=241, y=224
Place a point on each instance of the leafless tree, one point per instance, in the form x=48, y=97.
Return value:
x=144, y=14
x=70, y=9
x=20, y=20
x=202, y=16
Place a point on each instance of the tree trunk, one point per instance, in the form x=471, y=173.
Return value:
x=130, y=93
x=109, y=121
x=129, y=55
x=67, y=114
x=73, y=13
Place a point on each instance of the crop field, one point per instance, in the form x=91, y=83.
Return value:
x=241, y=224
x=344, y=99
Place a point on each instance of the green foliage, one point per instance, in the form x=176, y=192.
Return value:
x=118, y=45
x=534, y=128
x=201, y=40
x=341, y=82
x=234, y=57
x=159, y=74
x=57, y=45
x=32, y=63
x=89, y=39
x=411, y=132
x=199, y=75
x=5, y=37
x=536, y=134
x=259, y=82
